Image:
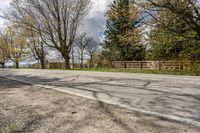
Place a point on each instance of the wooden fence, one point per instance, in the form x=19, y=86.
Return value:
x=54, y=65
x=133, y=64
x=154, y=65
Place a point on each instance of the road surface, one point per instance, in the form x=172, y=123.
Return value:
x=173, y=96
x=31, y=109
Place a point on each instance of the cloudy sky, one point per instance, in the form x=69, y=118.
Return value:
x=3, y=6
x=95, y=22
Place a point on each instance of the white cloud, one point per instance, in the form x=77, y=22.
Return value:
x=95, y=22
x=100, y=5
x=4, y=4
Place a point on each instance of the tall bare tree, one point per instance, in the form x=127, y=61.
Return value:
x=4, y=57
x=16, y=45
x=92, y=49
x=37, y=46
x=82, y=41
x=57, y=20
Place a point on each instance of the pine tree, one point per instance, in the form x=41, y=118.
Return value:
x=122, y=34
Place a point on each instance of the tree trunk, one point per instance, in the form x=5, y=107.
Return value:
x=72, y=58
x=67, y=61
x=17, y=64
x=3, y=65
x=91, y=60
x=82, y=63
x=43, y=63
x=82, y=60
x=43, y=59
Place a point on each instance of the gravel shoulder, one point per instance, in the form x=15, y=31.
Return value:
x=26, y=108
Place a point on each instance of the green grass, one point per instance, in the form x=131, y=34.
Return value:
x=144, y=71
x=12, y=128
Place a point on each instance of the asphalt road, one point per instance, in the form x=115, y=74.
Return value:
x=31, y=109
x=177, y=96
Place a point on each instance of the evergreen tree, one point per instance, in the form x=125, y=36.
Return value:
x=122, y=34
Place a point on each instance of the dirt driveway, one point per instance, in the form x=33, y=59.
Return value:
x=26, y=108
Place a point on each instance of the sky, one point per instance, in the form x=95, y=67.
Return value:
x=95, y=21
x=3, y=6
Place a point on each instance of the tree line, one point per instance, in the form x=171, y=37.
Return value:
x=161, y=30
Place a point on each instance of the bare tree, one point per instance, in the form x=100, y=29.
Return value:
x=37, y=46
x=57, y=21
x=16, y=45
x=82, y=41
x=92, y=49
x=4, y=57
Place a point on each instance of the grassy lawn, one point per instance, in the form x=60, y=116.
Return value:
x=145, y=71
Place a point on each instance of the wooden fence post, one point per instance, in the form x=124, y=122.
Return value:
x=125, y=65
x=141, y=65
x=181, y=66
x=159, y=65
